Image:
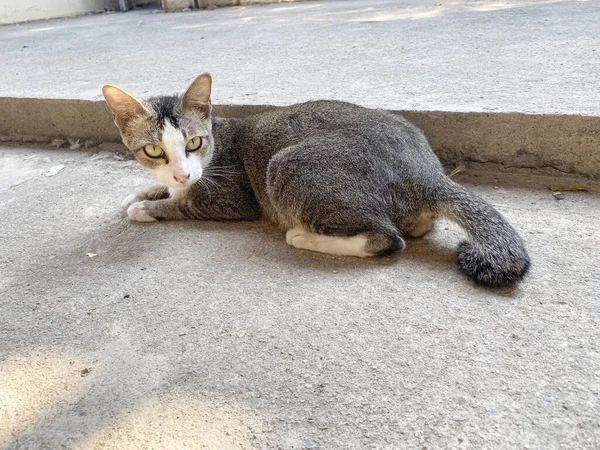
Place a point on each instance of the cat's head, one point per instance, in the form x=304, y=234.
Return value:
x=170, y=136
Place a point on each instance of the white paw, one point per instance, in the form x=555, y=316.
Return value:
x=128, y=201
x=293, y=233
x=138, y=212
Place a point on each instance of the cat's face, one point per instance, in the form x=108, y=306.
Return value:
x=170, y=136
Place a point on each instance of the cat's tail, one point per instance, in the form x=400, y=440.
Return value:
x=495, y=254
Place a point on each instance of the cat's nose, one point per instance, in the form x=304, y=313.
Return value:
x=182, y=178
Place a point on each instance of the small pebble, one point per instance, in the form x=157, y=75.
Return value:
x=558, y=195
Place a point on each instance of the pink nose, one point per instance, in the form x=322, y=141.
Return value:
x=182, y=178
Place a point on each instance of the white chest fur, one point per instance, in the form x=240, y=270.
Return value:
x=177, y=193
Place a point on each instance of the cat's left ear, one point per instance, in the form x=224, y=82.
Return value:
x=197, y=96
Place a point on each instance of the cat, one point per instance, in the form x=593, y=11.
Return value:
x=336, y=177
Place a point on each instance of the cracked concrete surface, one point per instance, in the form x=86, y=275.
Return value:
x=218, y=335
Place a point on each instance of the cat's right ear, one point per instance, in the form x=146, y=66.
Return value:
x=123, y=106
x=197, y=96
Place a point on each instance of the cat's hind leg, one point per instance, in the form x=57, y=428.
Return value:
x=329, y=205
x=361, y=245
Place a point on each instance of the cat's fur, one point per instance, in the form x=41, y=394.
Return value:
x=338, y=178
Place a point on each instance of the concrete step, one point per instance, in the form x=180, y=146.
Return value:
x=508, y=83
x=559, y=144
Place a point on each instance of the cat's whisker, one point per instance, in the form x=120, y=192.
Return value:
x=214, y=183
x=226, y=175
x=227, y=170
x=206, y=187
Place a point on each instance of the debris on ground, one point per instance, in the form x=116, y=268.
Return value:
x=74, y=144
x=569, y=187
x=91, y=143
x=91, y=255
x=558, y=195
x=58, y=142
x=457, y=170
x=54, y=170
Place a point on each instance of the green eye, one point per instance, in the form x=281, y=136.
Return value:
x=153, y=151
x=194, y=144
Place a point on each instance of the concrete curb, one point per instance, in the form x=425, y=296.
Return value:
x=565, y=143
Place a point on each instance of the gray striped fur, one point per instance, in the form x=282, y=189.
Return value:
x=334, y=169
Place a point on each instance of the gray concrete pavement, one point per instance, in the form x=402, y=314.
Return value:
x=535, y=56
x=210, y=335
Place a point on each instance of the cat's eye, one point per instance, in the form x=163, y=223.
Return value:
x=193, y=144
x=153, y=151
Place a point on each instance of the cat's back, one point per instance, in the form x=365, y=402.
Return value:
x=370, y=131
x=327, y=115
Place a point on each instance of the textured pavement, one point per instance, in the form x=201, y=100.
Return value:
x=537, y=56
x=123, y=335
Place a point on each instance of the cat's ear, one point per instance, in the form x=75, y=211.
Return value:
x=123, y=106
x=197, y=96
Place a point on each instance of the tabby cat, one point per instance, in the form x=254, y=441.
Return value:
x=336, y=177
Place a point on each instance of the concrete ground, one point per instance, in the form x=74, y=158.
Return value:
x=122, y=335
x=536, y=56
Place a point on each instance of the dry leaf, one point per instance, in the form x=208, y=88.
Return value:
x=569, y=187
x=457, y=170
x=57, y=142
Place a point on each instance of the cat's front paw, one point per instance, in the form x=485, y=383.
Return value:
x=138, y=211
x=128, y=201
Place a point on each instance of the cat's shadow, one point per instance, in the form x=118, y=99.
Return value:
x=433, y=252
x=262, y=241
x=125, y=245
